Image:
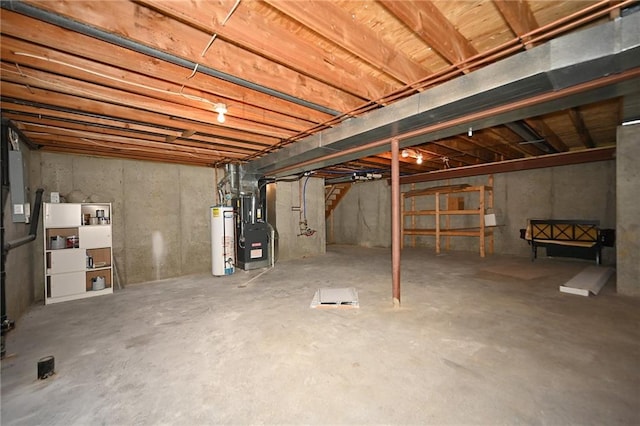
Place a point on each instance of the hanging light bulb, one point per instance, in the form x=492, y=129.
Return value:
x=470, y=132
x=405, y=153
x=221, y=109
x=419, y=159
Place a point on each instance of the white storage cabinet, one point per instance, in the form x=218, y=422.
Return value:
x=73, y=233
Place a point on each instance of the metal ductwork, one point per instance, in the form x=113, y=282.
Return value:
x=594, y=54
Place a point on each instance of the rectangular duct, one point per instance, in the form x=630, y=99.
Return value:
x=595, y=53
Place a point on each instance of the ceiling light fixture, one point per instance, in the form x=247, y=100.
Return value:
x=221, y=109
x=470, y=132
x=413, y=153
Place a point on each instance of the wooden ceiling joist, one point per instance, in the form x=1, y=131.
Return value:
x=144, y=75
x=117, y=111
x=425, y=19
x=143, y=25
x=581, y=128
x=315, y=63
x=330, y=21
x=519, y=17
x=94, y=53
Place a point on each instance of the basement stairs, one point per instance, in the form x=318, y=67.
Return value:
x=332, y=196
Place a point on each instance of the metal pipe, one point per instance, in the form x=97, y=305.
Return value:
x=395, y=220
x=61, y=21
x=542, y=161
x=33, y=228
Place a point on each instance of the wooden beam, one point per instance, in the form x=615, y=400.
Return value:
x=137, y=139
x=547, y=133
x=177, y=106
x=507, y=137
x=58, y=119
x=128, y=155
x=519, y=17
x=148, y=27
x=581, y=127
x=92, y=140
x=282, y=48
x=44, y=97
x=28, y=56
x=28, y=113
x=430, y=162
x=498, y=152
x=332, y=23
x=543, y=161
x=461, y=149
x=89, y=147
x=426, y=20
x=95, y=51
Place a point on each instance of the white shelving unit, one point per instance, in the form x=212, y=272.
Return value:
x=73, y=233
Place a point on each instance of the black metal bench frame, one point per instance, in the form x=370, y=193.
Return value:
x=558, y=235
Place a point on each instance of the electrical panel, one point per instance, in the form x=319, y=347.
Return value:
x=20, y=207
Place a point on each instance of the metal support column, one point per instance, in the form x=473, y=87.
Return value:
x=395, y=220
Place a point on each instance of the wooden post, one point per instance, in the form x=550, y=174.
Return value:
x=395, y=221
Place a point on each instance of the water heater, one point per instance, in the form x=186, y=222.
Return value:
x=222, y=241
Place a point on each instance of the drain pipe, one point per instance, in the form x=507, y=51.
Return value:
x=33, y=229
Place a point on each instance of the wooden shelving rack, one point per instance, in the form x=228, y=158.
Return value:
x=453, y=205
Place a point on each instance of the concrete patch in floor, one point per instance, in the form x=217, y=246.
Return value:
x=590, y=280
x=519, y=270
x=335, y=298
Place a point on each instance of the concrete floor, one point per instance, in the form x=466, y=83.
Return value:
x=473, y=343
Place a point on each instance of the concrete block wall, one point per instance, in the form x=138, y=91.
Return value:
x=583, y=191
x=287, y=205
x=160, y=216
x=628, y=210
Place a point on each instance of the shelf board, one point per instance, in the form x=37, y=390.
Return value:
x=88, y=293
x=460, y=232
x=101, y=268
x=441, y=212
x=453, y=189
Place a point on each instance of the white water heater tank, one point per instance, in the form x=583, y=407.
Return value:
x=222, y=241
